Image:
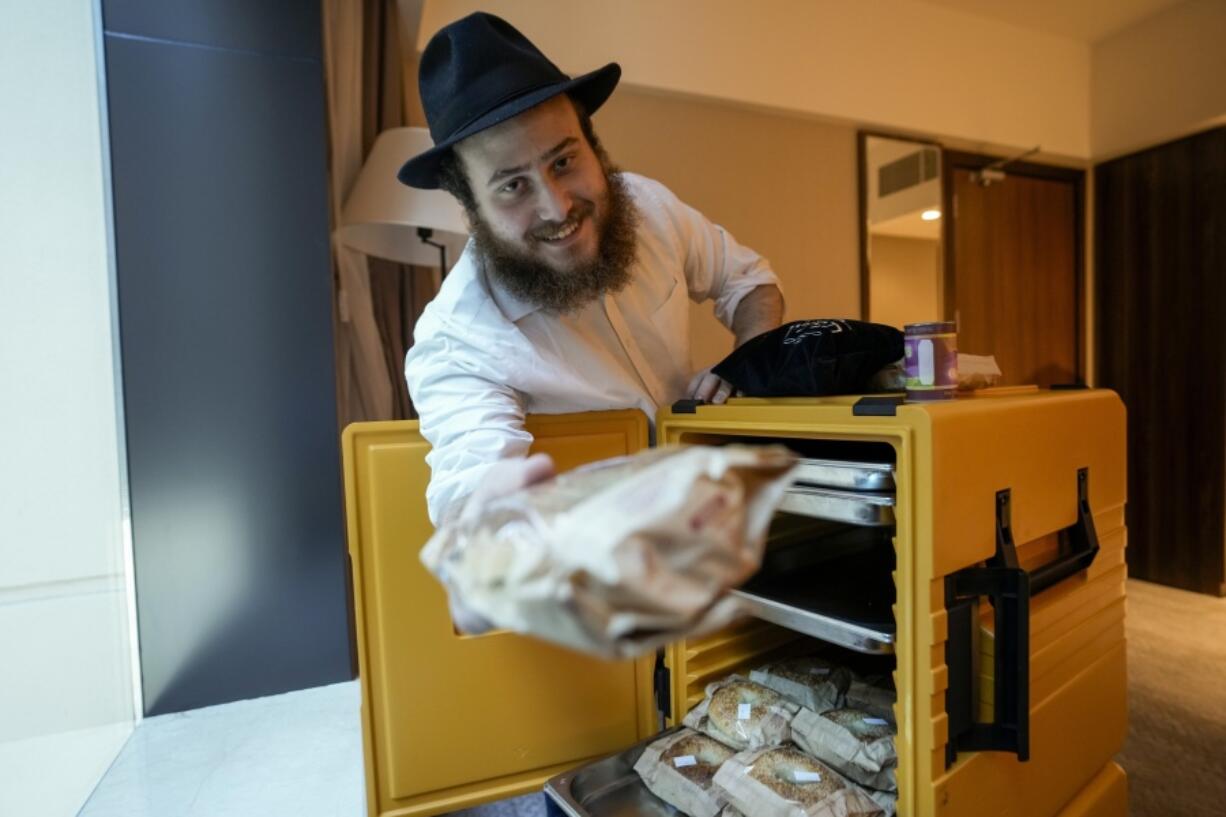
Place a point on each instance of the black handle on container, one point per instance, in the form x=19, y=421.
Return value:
x=1078, y=543
x=1009, y=588
x=1009, y=730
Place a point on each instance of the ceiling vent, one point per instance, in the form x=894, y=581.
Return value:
x=910, y=170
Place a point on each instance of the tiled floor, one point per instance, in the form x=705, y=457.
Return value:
x=50, y=775
x=301, y=754
x=298, y=755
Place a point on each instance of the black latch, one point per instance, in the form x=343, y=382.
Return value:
x=885, y=405
x=662, y=684
x=687, y=406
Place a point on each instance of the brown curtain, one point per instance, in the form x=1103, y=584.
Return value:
x=399, y=292
x=373, y=65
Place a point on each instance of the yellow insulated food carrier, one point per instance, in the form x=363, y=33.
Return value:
x=974, y=548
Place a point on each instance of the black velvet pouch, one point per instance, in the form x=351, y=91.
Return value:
x=812, y=358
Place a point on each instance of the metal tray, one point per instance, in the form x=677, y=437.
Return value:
x=852, y=476
x=854, y=636
x=854, y=508
x=799, y=542
x=846, y=599
x=609, y=788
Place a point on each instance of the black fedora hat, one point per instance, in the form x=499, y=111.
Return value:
x=479, y=71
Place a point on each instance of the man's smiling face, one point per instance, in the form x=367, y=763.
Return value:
x=539, y=186
x=552, y=219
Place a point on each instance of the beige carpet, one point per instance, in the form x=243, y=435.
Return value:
x=1175, y=755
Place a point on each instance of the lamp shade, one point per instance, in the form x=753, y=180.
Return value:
x=381, y=215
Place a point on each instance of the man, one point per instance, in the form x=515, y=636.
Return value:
x=572, y=294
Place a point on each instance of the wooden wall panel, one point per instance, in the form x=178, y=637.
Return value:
x=1160, y=278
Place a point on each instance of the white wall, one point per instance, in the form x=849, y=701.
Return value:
x=889, y=64
x=783, y=185
x=1162, y=78
x=66, y=690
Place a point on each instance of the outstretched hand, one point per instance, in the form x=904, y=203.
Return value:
x=507, y=477
x=504, y=477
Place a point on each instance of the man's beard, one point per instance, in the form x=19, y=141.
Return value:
x=535, y=282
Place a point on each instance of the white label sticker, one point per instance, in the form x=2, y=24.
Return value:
x=927, y=368
x=806, y=777
x=742, y=711
x=820, y=670
x=876, y=721
x=684, y=760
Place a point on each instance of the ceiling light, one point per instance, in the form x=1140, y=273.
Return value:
x=930, y=215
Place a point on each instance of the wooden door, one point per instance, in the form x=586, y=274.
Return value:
x=1014, y=273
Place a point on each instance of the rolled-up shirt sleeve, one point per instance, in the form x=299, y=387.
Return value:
x=470, y=419
x=716, y=266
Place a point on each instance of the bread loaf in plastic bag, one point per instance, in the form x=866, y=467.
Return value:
x=622, y=556
x=782, y=781
x=679, y=768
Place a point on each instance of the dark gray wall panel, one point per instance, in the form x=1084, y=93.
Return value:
x=285, y=27
x=218, y=162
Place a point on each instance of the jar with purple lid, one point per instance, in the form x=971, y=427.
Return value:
x=931, y=360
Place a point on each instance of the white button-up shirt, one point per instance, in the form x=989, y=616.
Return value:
x=482, y=359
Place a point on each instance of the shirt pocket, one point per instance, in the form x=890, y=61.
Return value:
x=662, y=299
x=671, y=312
